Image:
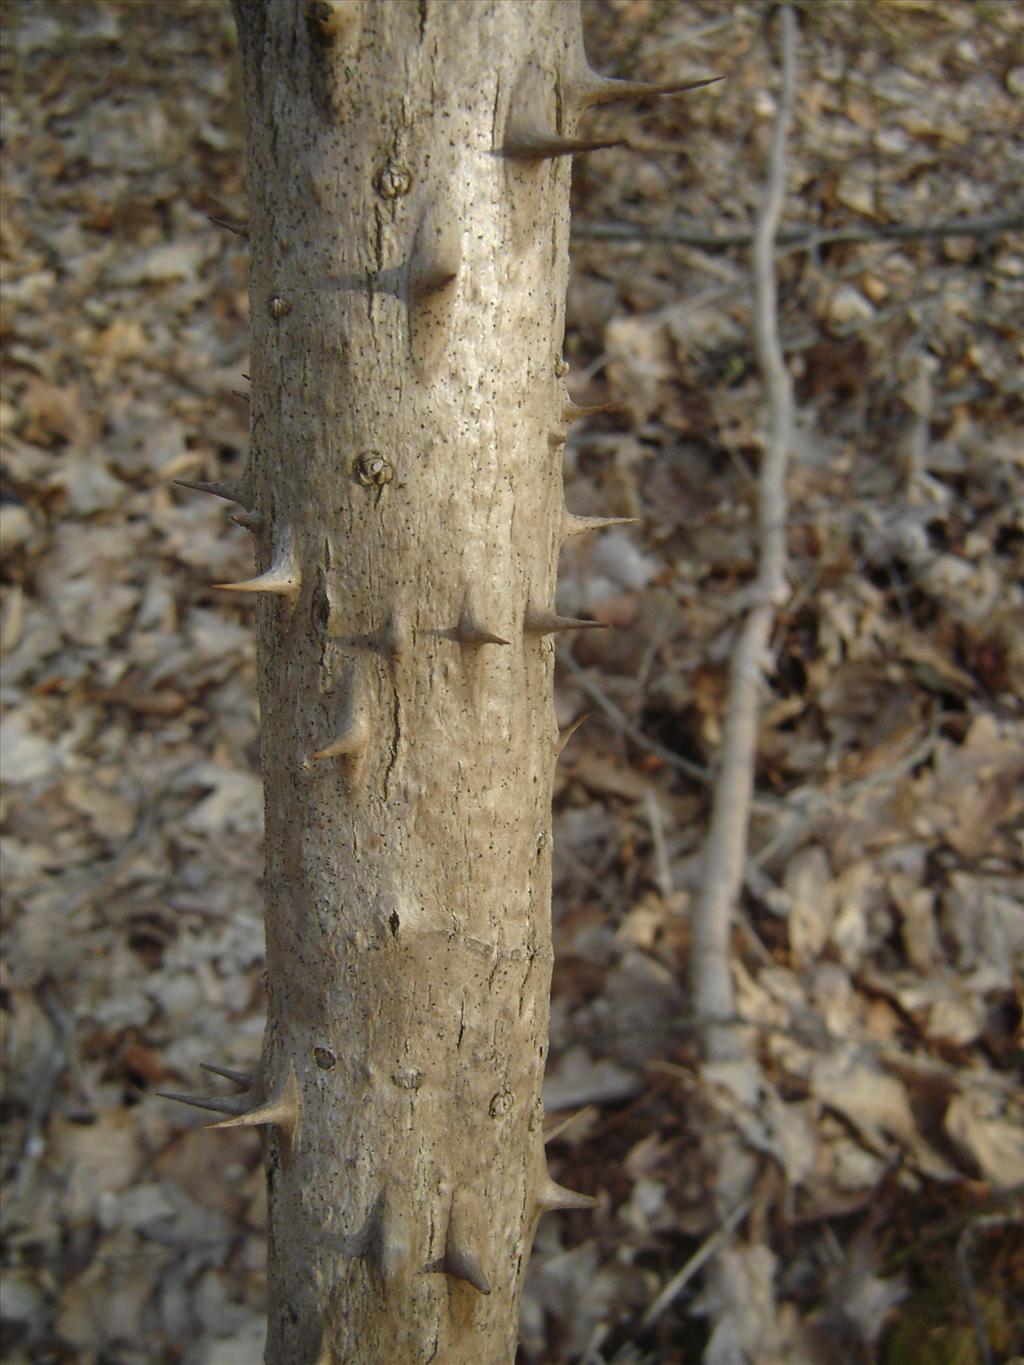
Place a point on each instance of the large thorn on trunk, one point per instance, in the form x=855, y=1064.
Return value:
x=577, y=526
x=239, y=229
x=387, y=1245
x=551, y=1196
x=549, y=623
x=460, y=1261
x=231, y=491
x=593, y=89
x=565, y=735
x=219, y=1104
x=352, y=741
x=283, y=578
x=281, y=1111
x=243, y=1079
x=525, y=143
x=469, y=632
x=572, y=412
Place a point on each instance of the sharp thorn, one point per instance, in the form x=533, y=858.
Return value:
x=281, y=1111
x=574, y=413
x=284, y=577
x=396, y=640
x=549, y=623
x=237, y=393
x=219, y=1104
x=552, y=1196
x=577, y=526
x=459, y=1260
x=431, y=279
x=239, y=229
x=350, y=743
x=249, y=521
x=387, y=1245
x=353, y=737
x=230, y=492
x=243, y=1079
x=595, y=90
x=529, y=144
x=467, y=632
x=556, y=439
x=436, y=252
x=565, y=735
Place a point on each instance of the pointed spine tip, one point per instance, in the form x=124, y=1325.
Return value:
x=436, y=253
x=432, y=278
x=238, y=229
x=467, y=632
x=388, y=1246
x=524, y=143
x=575, y=413
x=578, y=526
x=550, y=623
x=565, y=735
x=462, y=1263
x=551, y=1197
x=281, y=1111
x=243, y=1079
x=397, y=638
x=217, y=1104
x=283, y=578
x=352, y=741
x=596, y=90
x=230, y=492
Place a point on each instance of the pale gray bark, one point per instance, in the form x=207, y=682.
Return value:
x=408, y=181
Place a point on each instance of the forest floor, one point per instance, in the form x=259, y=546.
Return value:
x=879, y=950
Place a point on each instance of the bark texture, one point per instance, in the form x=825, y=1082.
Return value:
x=408, y=177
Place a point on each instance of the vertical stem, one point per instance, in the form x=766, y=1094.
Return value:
x=726, y=848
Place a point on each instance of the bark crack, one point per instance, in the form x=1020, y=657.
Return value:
x=396, y=735
x=495, y=143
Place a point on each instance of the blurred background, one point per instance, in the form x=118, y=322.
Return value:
x=879, y=949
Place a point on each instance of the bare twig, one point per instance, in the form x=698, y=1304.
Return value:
x=725, y=852
x=618, y=717
x=700, y=1257
x=662, y=866
x=803, y=238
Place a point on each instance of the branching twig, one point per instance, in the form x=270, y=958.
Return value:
x=725, y=853
x=619, y=718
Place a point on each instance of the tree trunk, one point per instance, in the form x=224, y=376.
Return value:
x=408, y=177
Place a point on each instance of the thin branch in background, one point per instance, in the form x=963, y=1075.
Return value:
x=966, y=1278
x=662, y=865
x=621, y=721
x=701, y=1256
x=801, y=238
x=726, y=848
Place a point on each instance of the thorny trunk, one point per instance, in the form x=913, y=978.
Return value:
x=408, y=177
